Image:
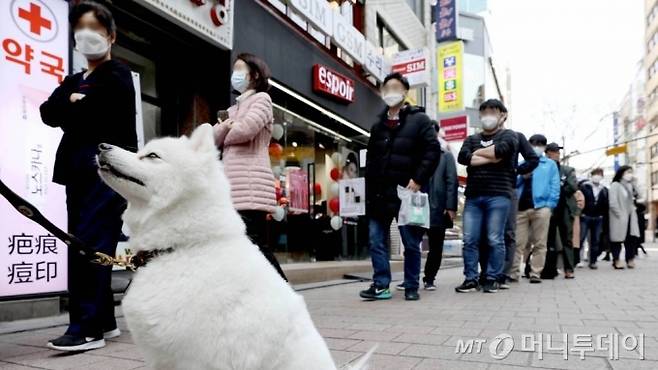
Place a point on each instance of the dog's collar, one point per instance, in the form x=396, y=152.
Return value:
x=143, y=257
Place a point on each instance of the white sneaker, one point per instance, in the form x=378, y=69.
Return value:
x=112, y=334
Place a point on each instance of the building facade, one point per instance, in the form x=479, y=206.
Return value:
x=651, y=105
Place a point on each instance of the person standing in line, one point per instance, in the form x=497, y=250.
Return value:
x=442, y=193
x=402, y=151
x=489, y=157
x=538, y=193
x=92, y=107
x=623, y=217
x=592, y=218
x=244, y=138
x=562, y=221
x=530, y=162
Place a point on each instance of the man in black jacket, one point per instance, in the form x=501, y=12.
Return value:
x=92, y=107
x=593, y=215
x=402, y=151
x=490, y=160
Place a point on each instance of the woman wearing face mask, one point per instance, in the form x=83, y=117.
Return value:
x=91, y=107
x=244, y=138
x=623, y=218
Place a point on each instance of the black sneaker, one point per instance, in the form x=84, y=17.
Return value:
x=411, y=295
x=468, y=286
x=76, y=343
x=374, y=293
x=400, y=287
x=429, y=285
x=535, y=280
x=491, y=286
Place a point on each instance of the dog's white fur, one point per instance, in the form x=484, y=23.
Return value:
x=215, y=302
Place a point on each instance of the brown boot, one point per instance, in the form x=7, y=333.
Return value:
x=630, y=264
x=617, y=265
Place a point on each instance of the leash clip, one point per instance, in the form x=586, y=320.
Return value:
x=107, y=260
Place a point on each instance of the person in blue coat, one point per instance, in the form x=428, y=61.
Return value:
x=538, y=193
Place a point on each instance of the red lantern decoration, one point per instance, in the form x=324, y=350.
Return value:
x=317, y=189
x=276, y=150
x=334, y=205
x=335, y=174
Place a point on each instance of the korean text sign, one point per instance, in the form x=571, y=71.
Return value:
x=34, y=50
x=446, y=20
x=451, y=84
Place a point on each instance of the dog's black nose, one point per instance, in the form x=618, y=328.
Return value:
x=104, y=147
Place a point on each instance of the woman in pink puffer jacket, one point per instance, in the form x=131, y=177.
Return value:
x=244, y=138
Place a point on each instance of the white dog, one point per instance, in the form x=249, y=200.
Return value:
x=212, y=301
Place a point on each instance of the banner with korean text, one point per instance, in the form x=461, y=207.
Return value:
x=451, y=84
x=34, y=53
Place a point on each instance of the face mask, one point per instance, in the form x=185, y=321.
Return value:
x=596, y=179
x=539, y=150
x=628, y=176
x=489, y=122
x=91, y=44
x=393, y=99
x=239, y=81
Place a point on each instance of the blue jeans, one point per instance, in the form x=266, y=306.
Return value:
x=591, y=227
x=490, y=212
x=412, y=236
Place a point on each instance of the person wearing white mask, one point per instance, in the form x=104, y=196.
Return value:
x=538, y=193
x=490, y=160
x=593, y=215
x=402, y=151
x=91, y=107
x=624, y=227
x=244, y=138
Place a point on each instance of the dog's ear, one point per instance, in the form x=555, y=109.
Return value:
x=203, y=138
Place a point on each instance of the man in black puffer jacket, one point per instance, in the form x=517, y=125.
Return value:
x=403, y=150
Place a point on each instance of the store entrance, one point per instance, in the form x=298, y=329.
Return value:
x=184, y=79
x=310, y=154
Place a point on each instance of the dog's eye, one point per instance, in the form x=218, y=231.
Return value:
x=152, y=156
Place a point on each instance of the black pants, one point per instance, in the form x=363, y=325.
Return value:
x=630, y=246
x=561, y=227
x=436, y=236
x=94, y=216
x=256, y=222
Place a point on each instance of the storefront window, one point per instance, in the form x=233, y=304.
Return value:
x=308, y=161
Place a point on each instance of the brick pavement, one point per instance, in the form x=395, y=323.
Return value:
x=424, y=335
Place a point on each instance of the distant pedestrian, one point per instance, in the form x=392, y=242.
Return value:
x=562, y=220
x=594, y=214
x=623, y=217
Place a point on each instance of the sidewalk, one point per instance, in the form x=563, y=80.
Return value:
x=426, y=334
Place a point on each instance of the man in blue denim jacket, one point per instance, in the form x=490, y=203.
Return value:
x=538, y=193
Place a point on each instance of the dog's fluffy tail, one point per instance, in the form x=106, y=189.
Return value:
x=362, y=363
